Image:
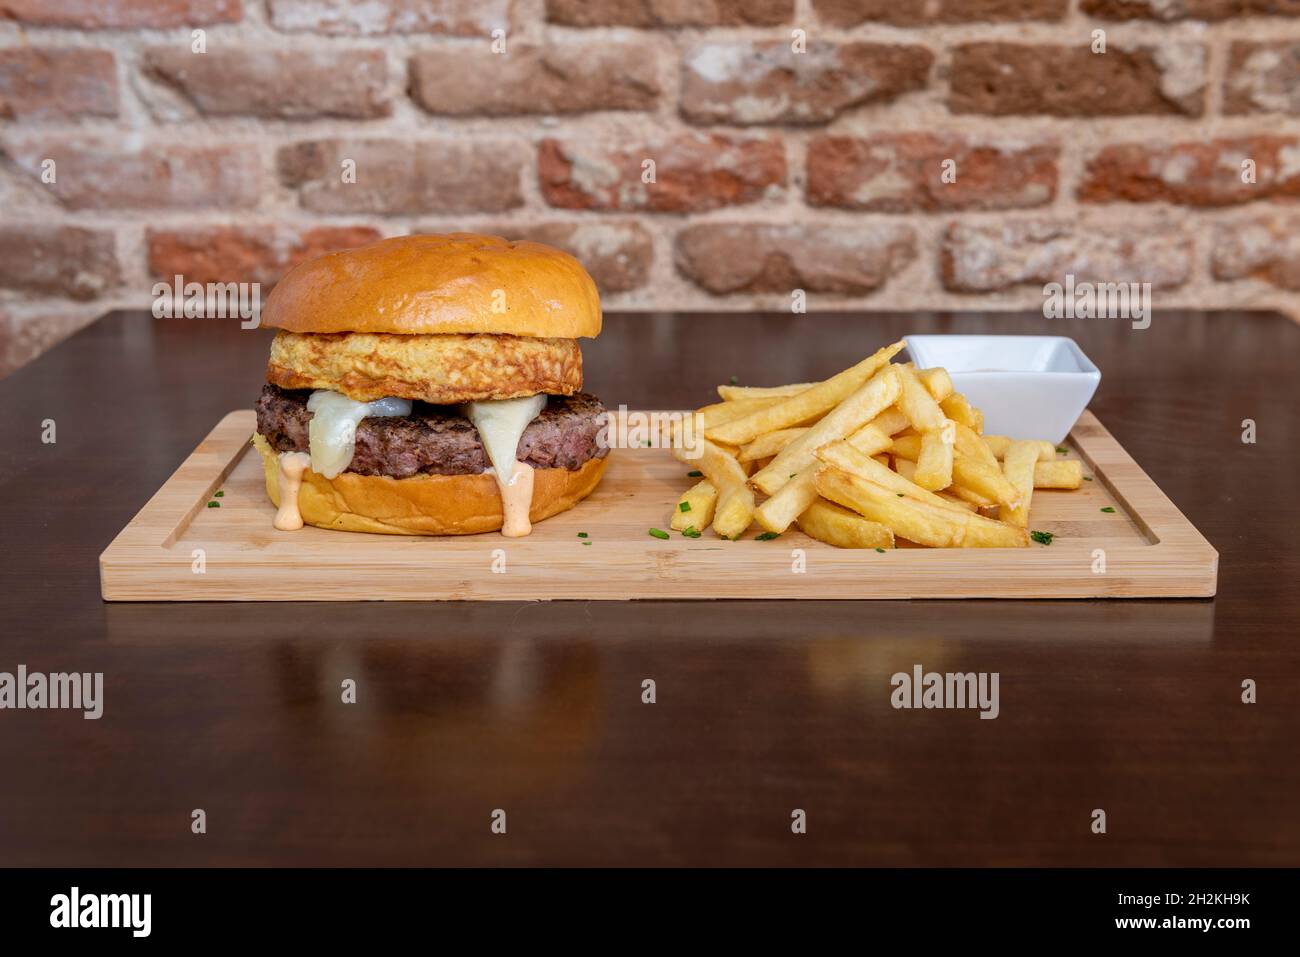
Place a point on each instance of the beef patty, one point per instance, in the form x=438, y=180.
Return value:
x=437, y=439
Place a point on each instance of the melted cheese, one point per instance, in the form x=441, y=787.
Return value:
x=333, y=429
x=501, y=424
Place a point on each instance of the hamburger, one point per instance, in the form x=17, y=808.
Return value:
x=430, y=385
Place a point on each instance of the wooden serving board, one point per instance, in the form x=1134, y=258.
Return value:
x=1150, y=549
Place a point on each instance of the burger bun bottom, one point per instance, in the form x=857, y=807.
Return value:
x=425, y=504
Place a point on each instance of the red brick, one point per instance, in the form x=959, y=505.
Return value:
x=748, y=82
x=1263, y=78
x=58, y=260
x=1265, y=249
x=913, y=13
x=462, y=18
x=95, y=173
x=1186, y=9
x=693, y=172
x=279, y=84
x=23, y=338
x=760, y=257
x=674, y=13
x=260, y=254
x=1196, y=173
x=1013, y=78
x=988, y=257
x=904, y=172
x=40, y=83
x=558, y=78
x=121, y=14
x=618, y=254
x=406, y=176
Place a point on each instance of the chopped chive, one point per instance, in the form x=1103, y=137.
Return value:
x=582, y=534
x=214, y=505
x=1109, y=509
x=1087, y=478
x=766, y=536
x=792, y=474
x=899, y=494
x=219, y=493
x=1042, y=538
x=587, y=542
x=1063, y=451
x=694, y=473
x=733, y=380
x=658, y=533
x=683, y=506
x=690, y=531
x=881, y=550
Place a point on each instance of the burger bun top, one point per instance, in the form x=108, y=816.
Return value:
x=430, y=284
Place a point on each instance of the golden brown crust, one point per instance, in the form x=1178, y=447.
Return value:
x=427, y=504
x=461, y=282
x=442, y=369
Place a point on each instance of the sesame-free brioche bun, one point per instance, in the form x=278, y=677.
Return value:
x=424, y=504
x=460, y=282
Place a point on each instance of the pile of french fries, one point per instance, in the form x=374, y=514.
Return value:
x=880, y=452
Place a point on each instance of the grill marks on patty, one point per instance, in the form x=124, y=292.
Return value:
x=436, y=439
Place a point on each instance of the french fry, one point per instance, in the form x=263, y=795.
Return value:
x=845, y=457
x=733, y=393
x=998, y=445
x=842, y=527
x=934, y=464
x=960, y=502
x=735, y=511
x=937, y=382
x=700, y=500
x=967, y=497
x=982, y=478
x=917, y=521
x=916, y=402
x=891, y=421
x=769, y=443
x=969, y=443
x=958, y=408
x=906, y=447
x=908, y=471
x=723, y=412
x=864, y=404
x=718, y=466
x=797, y=493
x=1061, y=473
x=795, y=409
x=1018, y=466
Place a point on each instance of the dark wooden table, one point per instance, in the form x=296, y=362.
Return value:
x=763, y=707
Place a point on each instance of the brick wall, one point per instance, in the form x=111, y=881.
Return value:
x=774, y=170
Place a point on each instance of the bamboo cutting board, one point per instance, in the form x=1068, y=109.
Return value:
x=180, y=549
